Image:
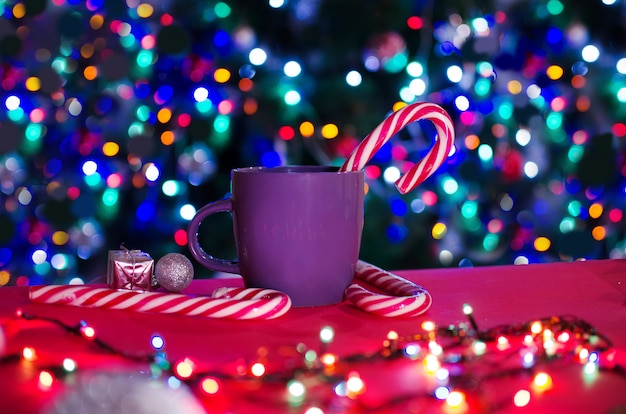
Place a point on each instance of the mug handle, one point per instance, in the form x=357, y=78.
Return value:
x=213, y=263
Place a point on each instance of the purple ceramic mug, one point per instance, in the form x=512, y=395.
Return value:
x=297, y=229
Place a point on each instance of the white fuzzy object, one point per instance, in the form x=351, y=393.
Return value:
x=106, y=393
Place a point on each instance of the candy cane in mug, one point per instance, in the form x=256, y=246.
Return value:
x=436, y=155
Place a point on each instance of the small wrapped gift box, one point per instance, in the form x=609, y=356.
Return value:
x=130, y=269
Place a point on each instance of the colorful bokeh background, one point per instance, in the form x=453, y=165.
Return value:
x=119, y=119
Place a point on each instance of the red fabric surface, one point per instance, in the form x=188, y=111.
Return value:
x=594, y=291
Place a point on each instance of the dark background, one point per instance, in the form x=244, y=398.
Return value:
x=58, y=220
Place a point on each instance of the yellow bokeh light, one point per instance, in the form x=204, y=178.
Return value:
x=428, y=326
x=542, y=381
x=554, y=72
x=164, y=115
x=5, y=277
x=29, y=354
x=60, y=238
x=110, y=149
x=598, y=233
x=167, y=138
x=521, y=398
x=184, y=369
x=595, y=210
x=514, y=87
x=210, y=385
x=45, y=379
x=398, y=105
x=355, y=385
x=33, y=84
x=19, y=10
x=431, y=364
x=328, y=359
x=455, y=399
x=439, y=230
x=90, y=72
x=536, y=327
x=221, y=75
x=145, y=10
x=307, y=129
x=96, y=21
x=542, y=244
x=330, y=131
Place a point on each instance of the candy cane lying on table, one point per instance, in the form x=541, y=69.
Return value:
x=228, y=303
x=400, y=297
x=436, y=155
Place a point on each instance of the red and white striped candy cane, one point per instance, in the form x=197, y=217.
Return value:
x=436, y=155
x=228, y=303
x=401, y=297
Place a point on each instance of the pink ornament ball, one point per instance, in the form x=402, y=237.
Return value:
x=173, y=272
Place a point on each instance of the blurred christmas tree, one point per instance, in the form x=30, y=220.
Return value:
x=121, y=119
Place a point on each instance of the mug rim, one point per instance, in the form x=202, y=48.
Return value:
x=293, y=169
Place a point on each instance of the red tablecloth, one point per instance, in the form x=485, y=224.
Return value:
x=594, y=291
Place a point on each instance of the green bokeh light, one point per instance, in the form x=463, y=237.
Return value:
x=469, y=209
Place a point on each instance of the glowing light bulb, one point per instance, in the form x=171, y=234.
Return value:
x=563, y=337
x=88, y=332
x=528, y=340
x=355, y=385
x=328, y=359
x=412, y=350
x=29, y=354
x=441, y=393
x=296, y=388
x=528, y=359
x=467, y=309
x=69, y=365
x=442, y=374
x=184, y=369
x=521, y=398
x=428, y=326
x=157, y=342
x=502, y=343
x=455, y=399
x=327, y=334
x=479, y=348
x=590, y=368
x=435, y=348
x=542, y=381
x=257, y=369
x=536, y=327
x=431, y=364
x=210, y=385
x=46, y=379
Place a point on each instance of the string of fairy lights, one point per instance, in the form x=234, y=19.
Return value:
x=448, y=364
x=119, y=122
